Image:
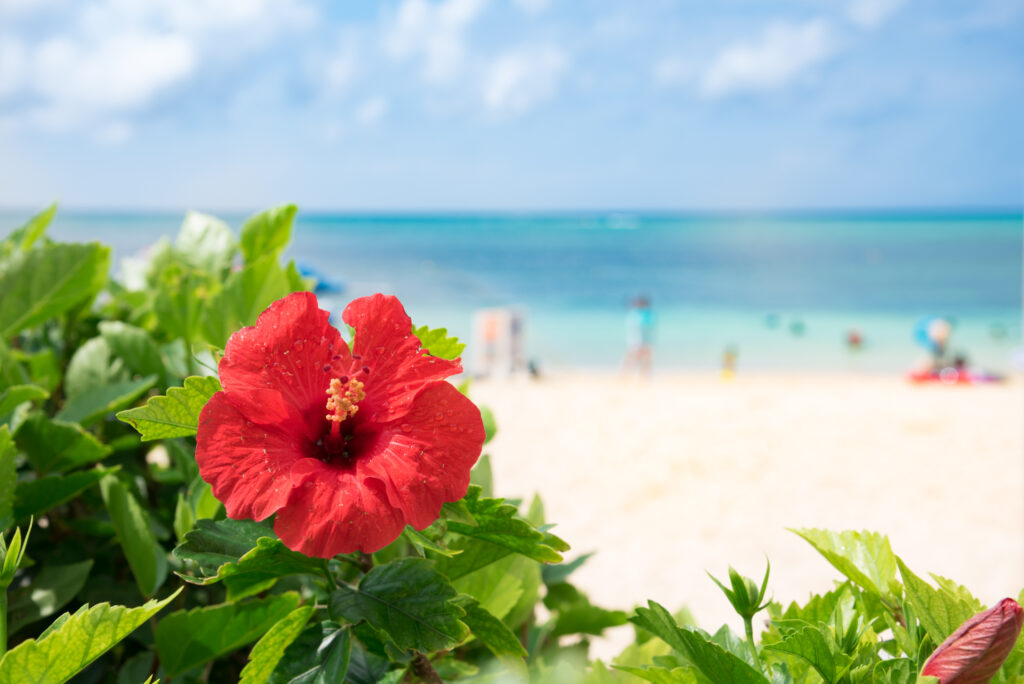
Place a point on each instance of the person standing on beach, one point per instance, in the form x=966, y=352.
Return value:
x=639, y=336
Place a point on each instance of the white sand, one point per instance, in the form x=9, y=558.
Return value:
x=671, y=477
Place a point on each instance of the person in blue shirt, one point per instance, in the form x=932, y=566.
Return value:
x=639, y=336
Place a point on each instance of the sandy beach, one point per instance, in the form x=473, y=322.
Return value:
x=684, y=473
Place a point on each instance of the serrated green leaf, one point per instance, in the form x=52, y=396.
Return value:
x=135, y=348
x=214, y=543
x=939, y=611
x=437, y=343
x=55, y=446
x=503, y=531
x=40, y=284
x=11, y=397
x=324, y=654
x=35, y=497
x=895, y=671
x=499, y=586
x=268, y=232
x=423, y=543
x=146, y=557
x=661, y=675
x=90, y=407
x=713, y=661
x=812, y=646
x=269, y=650
x=8, y=478
x=25, y=236
x=74, y=641
x=50, y=589
x=205, y=242
x=175, y=414
x=407, y=600
x=491, y=631
x=188, y=639
x=865, y=557
x=268, y=560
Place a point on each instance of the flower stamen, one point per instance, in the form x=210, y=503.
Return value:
x=342, y=399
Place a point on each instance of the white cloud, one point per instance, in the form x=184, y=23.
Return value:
x=870, y=14
x=372, y=111
x=673, y=71
x=782, y=53
x=433, y=33
x=94, y=64
x=532, y=6
x=519, y=80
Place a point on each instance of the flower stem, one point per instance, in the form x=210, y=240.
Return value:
x=748, y=625
x=422, y=669
x=3, y=622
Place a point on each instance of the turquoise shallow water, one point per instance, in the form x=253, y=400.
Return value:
x=713, y=280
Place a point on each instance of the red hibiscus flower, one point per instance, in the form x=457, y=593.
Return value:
x=346, y=446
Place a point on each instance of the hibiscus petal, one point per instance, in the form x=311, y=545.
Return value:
x=245, y=462
x=333, y=511
x=424, y=457
x=398, y=367
x=287, y=350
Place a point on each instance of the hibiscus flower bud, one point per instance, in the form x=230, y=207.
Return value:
x=976, y=650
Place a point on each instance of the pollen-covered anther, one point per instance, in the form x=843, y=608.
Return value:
x=342, y=399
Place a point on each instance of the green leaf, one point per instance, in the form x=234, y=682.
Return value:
x=50, y=589
x=245, y=295
x=205, y=242
x=180, y=300
x=556, y=574
x=407, y=600
x=135, y=347
x=188, y=639
x=491, y=631
x=811, y=645
x=57, y=446
x=268, y=232
x=91, y=366
x=865, y=557
x=90, y=407
x=482, y=476
x=174, y=415
x=895, y=671
x=499, y=586
x=423, y=543
x=269, y=650
x=323, y=654
x=74, y=641
x=713, y=661
x=490, y=424
x=939, y=611
x=146, y=557
x=267, y=561
x=215, y=543
x=34, y=497
x=437, y=343
x=583, y=618
x=504, y=533
x=661, y=675
x=8, y=478
x=11, y=397
x=40, y=284
x=24, y=237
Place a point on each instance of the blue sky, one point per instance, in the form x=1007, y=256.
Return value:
x=512, y=104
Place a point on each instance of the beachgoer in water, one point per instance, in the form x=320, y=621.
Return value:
x=729, y=357
x=854, y=340
x=639, y=336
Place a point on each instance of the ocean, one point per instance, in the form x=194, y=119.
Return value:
x=784, y=290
